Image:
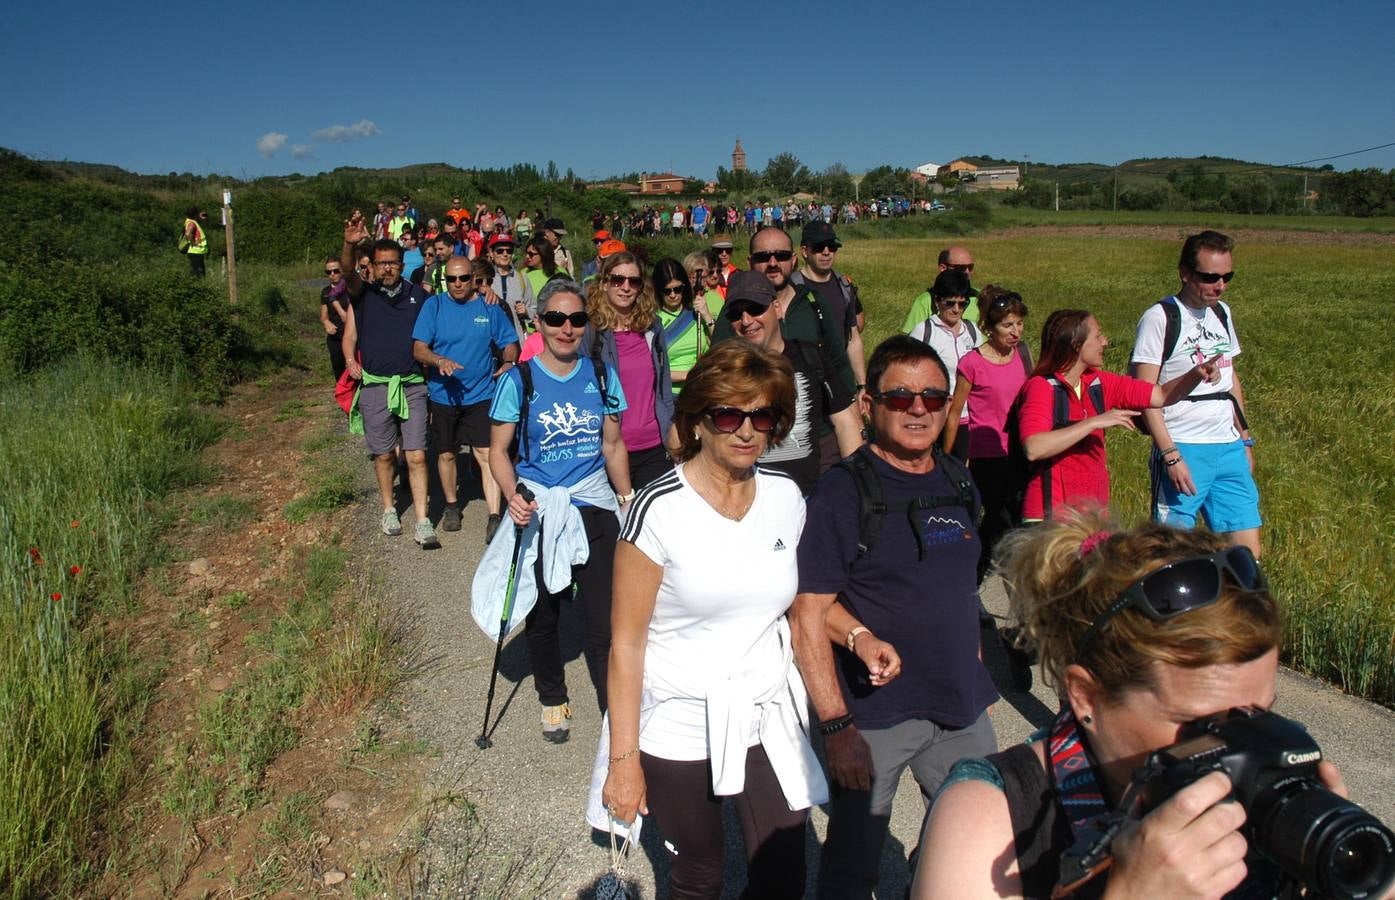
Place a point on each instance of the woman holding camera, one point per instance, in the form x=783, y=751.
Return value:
x=1141, y=632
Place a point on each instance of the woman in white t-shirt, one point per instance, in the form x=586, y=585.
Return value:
x=705, y=701
x=952, y=338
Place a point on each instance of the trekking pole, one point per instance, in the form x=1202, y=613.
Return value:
x=510, y=594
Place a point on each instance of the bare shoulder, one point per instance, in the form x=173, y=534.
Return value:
x=967, y=850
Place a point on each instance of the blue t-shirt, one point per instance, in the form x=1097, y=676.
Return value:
x=564, y=434
x=411, y=261
x=463, y=332
x=385, y=326
x=699, y=215
x=927, y=609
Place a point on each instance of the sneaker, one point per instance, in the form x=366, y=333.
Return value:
x=491, y=526
x=554, y=723
x=426, y=535
x=450, y=519
x=391, y=524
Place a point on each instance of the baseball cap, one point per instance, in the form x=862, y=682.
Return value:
x=609, y=248
x=817, y=232
x=555, y=226
x=502, y=238
x=752, y=286
x=601, y=235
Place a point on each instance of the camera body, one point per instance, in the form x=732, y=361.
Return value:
x=1293, y=821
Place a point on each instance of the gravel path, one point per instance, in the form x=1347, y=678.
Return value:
x=508, y=821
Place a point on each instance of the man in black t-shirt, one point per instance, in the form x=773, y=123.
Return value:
x=334, y=306
x=907, y=595
x=820, y=395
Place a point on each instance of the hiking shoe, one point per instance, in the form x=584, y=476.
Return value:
x=450, y=519
x=554, y=723
x=425, y=535
x=391, y=524
x=491, y=526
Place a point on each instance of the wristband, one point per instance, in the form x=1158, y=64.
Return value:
x=1167, y=451
x=833, y=726
x=1172, y=462
x=851, y=639
x=1248, y=442
x=622, y=499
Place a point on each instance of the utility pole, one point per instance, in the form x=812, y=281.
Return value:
x=1305, y=193
x=232, y=256
x=1116, y=188
x=1057, y=186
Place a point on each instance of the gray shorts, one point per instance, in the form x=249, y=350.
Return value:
x=381, y=429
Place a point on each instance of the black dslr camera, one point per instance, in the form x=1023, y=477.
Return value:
x=1331, y=845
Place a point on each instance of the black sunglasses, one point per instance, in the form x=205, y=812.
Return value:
x=676, y=289
x=1181, y=586
x=901, y=399
x=333, y=271
x=1213, y=277
x=557, y=319
x=727, y=419
x=633, y=281
x=452, y=279
x=958, y=304
x=824, y=247
x=736, y=309
x=761, y=257
x=1006, y=300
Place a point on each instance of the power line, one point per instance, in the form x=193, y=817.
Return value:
x=1338, y=156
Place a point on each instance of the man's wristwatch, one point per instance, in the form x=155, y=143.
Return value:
x=622, y=499
x=851, y=640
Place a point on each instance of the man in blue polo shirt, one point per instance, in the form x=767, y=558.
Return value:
x=390, y=406
x=454, y=338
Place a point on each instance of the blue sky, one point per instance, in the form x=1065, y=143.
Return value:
x=623, y=87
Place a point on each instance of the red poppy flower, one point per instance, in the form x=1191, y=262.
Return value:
x=36, y=556
x=73, y=570
x=55, y=596
x=75, y=524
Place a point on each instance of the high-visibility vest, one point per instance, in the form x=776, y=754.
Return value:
x=200, y=244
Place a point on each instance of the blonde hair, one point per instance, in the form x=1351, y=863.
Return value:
x=693, y=261
x=730, y=374
x=1056, y=593
x=604, y=316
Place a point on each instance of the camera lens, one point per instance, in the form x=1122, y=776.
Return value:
x=1326, y=842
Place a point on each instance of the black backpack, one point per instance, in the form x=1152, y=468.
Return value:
x=525, y=375
x=873, y=508
x=1060, y=418
x=1172, y=333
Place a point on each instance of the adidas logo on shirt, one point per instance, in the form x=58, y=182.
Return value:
x=592, y=389
x=779, y=544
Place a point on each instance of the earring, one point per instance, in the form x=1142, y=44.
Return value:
x=697, y=435
x=1087, y=719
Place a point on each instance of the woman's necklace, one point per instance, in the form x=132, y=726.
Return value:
x=714, y=495
x=1000, y=357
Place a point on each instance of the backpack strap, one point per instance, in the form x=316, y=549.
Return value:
x=810, y=355
x=1024, y=356
x=525, y=377
x=679, y=326
x=870, y=502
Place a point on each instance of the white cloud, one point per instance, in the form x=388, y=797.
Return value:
x=361, y=129
x=271, y=142
x=302, y=151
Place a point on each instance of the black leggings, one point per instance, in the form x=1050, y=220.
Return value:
x=1000, y=486
x=647, y=465
x=690, y=819
x=592, y=581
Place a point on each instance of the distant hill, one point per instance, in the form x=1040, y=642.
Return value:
x=1147, y=171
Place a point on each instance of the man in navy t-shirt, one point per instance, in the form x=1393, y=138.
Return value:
x=454, y=338
x=390, y=406
x=903, y=685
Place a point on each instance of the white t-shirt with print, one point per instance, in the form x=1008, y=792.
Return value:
x=1202, y=336
x=951, y=347
x=725, y=586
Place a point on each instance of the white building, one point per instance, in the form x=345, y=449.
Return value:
x=929, y=170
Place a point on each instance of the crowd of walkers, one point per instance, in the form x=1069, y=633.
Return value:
x=773, y=534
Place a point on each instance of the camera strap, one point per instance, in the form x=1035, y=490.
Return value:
x=1092, y=823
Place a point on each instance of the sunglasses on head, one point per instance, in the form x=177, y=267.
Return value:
x=1007, y=300
x=633, y=281
x=727, y=419
x=902, y=399
x=1181, y=586
x=557, y=319
x=761, y=257
x=1212, y=277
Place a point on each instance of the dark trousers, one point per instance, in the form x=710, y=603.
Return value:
x=196, y=263
x=592, y=580
x=335, y=345
x=960, y=449
x=1000, y=486
x=690, y=819
x=646, y=465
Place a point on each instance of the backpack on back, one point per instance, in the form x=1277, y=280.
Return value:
x=1172, y=333
x=1060, y=418
x=873, y=508
x=525, y=376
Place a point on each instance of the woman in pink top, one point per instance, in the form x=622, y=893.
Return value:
x=1067, y=463
x=992, y=374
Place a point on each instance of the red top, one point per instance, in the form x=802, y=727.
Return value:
x=1080, y=474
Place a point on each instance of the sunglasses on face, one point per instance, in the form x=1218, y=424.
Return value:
x=1182, y=586
x=960, y=267
x=633, y=281
x=739, y=309
x=727, y=419
x=481, y=281
x=954, y=304
x=557, y=319
x=902, y=399
x=452, y=279
x=761, y=257
x=673, y=289
x=824, y=247
x=333, y=271
x=1212, y=277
